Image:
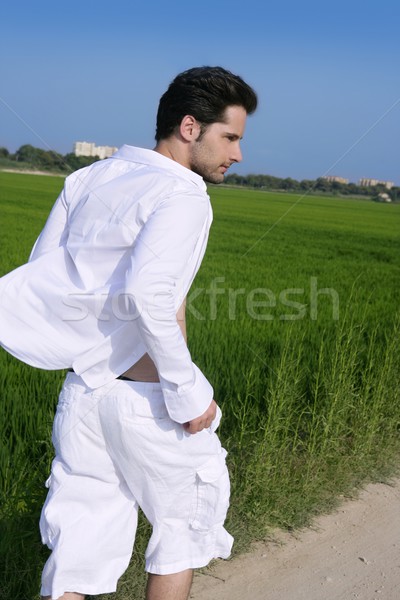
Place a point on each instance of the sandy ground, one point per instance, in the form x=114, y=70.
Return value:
x=352, y=553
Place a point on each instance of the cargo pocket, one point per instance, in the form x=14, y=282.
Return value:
x=45, y=529
x=211, y=495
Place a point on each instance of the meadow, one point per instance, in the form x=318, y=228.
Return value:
x=294, y=318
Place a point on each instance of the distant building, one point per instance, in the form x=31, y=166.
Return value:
x=90, y=149
x=371, y=182
x=335, y=178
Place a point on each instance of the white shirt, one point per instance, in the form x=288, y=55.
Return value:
x=108, y=273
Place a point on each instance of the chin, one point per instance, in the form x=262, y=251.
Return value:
x=214, y=178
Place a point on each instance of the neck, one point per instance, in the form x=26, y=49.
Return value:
x=173, y=150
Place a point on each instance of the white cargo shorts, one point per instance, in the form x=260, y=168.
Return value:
x=117, y=450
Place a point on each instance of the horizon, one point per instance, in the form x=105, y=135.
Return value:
x=227, y=174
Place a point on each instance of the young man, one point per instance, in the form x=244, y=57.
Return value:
x=103, y=295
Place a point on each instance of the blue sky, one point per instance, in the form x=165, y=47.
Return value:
x=327, y=76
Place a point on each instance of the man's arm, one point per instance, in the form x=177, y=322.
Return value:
x=159, y=262
x=205, y=420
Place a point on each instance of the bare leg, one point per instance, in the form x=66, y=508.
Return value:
x=169, y=587
x=67, y=596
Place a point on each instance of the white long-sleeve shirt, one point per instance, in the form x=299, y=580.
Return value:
x=108, y=273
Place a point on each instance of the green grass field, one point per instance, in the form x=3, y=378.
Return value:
x=294, y=318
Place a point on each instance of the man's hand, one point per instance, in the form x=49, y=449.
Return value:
x=204, y=421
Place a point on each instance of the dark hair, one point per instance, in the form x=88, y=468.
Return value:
x=204, y=93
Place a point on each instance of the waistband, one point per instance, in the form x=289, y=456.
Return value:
x=146, y=395
x=121, y=377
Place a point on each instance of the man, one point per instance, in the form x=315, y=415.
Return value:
x=103, y=295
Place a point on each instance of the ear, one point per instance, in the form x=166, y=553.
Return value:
x=189, y=128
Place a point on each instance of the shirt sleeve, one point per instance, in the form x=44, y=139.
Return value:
x=161, y=252
x=54, y=231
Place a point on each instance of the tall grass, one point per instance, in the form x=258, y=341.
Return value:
x=309, y=394
x=313, y=434
x=27, y=408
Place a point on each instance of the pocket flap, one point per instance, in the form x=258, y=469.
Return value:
x=213, y=469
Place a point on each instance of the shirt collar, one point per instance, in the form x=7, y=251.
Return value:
x=150, y=157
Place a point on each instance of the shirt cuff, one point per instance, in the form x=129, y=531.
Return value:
x=188, y=404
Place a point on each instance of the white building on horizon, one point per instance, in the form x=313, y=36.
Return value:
x=335, y=178
x=90, y=149
x=364, y=182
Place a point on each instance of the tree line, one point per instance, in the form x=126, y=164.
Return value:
x=48, y=160
x=45, y=160
x=320, y=185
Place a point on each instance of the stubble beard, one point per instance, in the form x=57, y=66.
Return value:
x=198, y=165
x=215, y=178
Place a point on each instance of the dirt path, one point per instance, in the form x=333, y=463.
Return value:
x=352, y=553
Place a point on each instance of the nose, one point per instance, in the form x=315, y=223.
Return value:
x=237, y=153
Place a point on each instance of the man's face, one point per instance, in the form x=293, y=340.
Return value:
x=219, y=146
